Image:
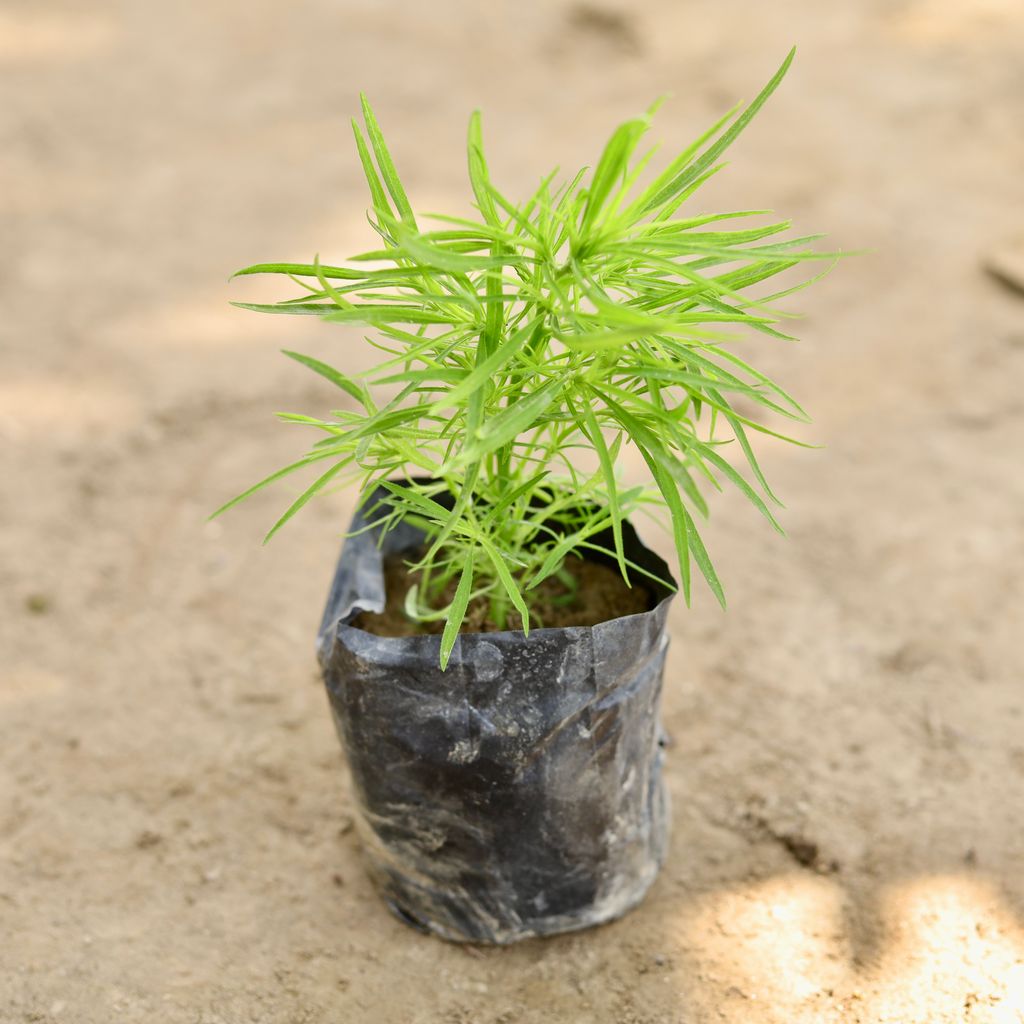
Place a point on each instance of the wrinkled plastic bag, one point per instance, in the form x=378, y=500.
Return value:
x=518, y=793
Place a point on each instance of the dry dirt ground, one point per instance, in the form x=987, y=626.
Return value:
x=848, y=769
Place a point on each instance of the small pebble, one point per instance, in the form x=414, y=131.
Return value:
x=147, y=839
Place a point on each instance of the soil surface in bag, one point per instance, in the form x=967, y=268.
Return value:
x=518, y=793
x=600, y=594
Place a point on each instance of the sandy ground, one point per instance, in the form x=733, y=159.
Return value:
x=848, y=768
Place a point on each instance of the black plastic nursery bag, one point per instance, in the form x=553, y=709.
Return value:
x=518, y=793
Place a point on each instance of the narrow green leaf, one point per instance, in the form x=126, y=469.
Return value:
x=641, y=203
x=294, y=308
x=448, y=257
x=730, y=472
x=724, y=141
x=633, y=566
x=306, y=460
x=506, y=580
x=457, y=610
x=302, y=270
x=700, y=556
x=316, y=486
x=593, y=430
x=435, y=375
x=379, y=199
x=311, y=421
x=478, y=175
x=744, y=443
x=680, y=520
x=527, y=487
x=565, y=545
x=336, y=377
x=409, y=495
x=331, y=291
x=491, y=365
x=411, y=605
x=379, y=314
x=386, y=165
x=612, y=165
x=512, y=421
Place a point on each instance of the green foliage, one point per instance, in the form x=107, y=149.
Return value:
x=525, y=350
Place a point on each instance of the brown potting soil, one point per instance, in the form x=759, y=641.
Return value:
x=600, y=594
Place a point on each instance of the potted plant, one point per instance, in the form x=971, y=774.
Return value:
x=494, y=637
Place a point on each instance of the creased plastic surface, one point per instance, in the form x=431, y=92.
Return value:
x=518, y=793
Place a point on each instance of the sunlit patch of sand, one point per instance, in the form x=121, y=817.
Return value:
x=34, y=406
x=953, y=950
x=27, y=683
x=952, y=21
x=31, y=36
x=948, y=949
x=785, y=933
x=207, y=319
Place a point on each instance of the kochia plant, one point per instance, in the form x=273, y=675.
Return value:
x=586, y=319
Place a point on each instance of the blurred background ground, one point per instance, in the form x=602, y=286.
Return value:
x=848, y=768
